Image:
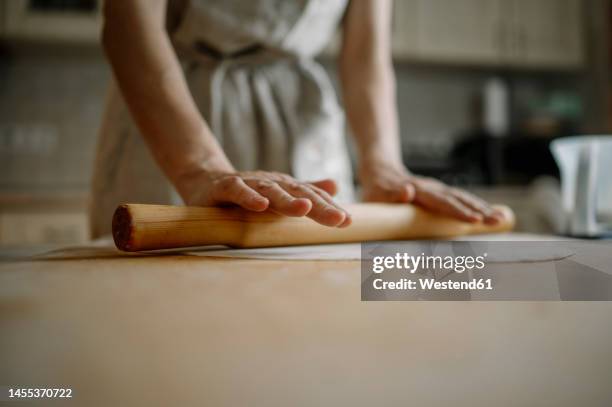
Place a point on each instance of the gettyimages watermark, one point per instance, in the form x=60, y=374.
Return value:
x=565, y=270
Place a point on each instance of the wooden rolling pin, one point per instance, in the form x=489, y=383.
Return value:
x=139, y=227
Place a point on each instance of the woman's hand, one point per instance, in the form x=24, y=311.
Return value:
x=393, y=183
x=261, y=190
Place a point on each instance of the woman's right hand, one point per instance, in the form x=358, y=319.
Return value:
x=261, y=190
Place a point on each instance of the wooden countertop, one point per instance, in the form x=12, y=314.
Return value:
x=186, y=330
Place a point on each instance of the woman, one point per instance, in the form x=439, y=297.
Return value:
x=234, y=110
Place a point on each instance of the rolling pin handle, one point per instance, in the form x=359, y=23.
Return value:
x=123, y=228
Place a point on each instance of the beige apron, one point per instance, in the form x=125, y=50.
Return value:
x=249, y=65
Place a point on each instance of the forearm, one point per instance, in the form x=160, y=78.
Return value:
x=153, y=86
x=368, y=81
x=369, y=98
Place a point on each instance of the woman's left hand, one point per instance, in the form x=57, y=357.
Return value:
x=384, y=182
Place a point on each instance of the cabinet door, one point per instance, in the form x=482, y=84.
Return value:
x=2, y=17
x=43, y=228
x=404, y=30
x=549, y=33
x=460, y=30
x=53, y=20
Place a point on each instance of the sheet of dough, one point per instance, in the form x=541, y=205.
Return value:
x=343, y=251
x=330, y=252
x=352, y=251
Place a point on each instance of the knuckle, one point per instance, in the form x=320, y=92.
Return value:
x=275, y=176
x=319, y=191
x=293, y=186
x=282, y=176
x=424, y=180
x=264, y=185
x=229, y=182
x=319, y=205
x=384, y=190
x=454, y=201
x=447, y=200
x=327, y=197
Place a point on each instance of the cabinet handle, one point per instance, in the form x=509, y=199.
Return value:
x=497, y=38
x=501, y=41
x=522, y=41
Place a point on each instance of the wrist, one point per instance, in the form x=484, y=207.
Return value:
x=194, y=179
x=373, y=161
x=374, y=168
x=379, y=149
x=206, y=157
x=196, y=171
x=202, y=167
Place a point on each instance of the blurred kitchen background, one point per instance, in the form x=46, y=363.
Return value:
x=483, y=87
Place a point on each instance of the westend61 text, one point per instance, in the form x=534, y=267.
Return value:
x=432, y=284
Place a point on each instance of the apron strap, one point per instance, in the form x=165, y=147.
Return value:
x=209, y=50
x=223, y=62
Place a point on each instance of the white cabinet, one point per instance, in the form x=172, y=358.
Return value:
x=43, y=218
x=23, y=228
x=74, y=21
x=466, y=30
x=404, y=30
x=548, y=32
x=535, y=33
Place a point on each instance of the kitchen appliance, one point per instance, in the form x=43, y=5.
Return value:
x=585, y=166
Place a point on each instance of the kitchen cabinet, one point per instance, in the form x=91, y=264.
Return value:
x=68, y=21
x=43, y=218
x=519, y=33
x=21, y=228
x=404, y=28
x=548, y=33
x=455, y=30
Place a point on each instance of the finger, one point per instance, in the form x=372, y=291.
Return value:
x=392, y=193
x=499, y=214
x=446, y=204
x=321, y=212
x=327, y=185
x=327, y=197
x=234, y=190
x=408, y=193
x=472, y=201
x=455, y=208
x=477, y=205
x=281, y=201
